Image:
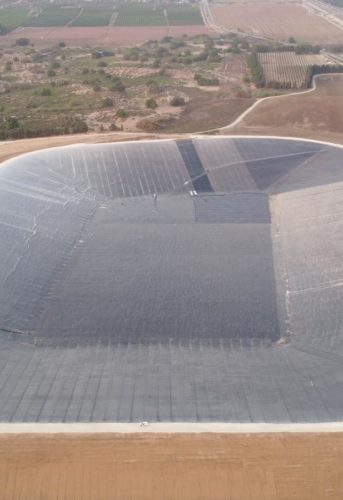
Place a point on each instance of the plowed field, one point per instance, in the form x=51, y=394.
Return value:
x=278, y=21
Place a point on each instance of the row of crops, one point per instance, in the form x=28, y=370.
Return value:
x=287, y=69
x=123, y=14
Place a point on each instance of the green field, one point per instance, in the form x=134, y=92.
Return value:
x=138, y=14
x=179, y=15
x=93, y=17
x=52, y=16
x=12, y=18
x=128, y=14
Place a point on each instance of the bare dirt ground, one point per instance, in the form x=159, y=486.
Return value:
x=179, y=466
x=278, y=21
x=207, y=110
x=100, y=36
x=316, y=115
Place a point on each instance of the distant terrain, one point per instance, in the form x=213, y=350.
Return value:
x=73, y=66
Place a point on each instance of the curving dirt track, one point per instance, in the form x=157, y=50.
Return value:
x=317, y=114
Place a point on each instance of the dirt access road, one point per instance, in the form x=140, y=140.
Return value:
x=317, y=114
x=172, y=466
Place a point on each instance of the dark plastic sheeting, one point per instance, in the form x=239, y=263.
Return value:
x=124, y=298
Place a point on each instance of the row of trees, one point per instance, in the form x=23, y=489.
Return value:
x=322, y=70
x=300, y=48
x=11, y=128
x=256, y=70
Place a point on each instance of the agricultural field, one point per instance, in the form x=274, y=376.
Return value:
x=93, y=17
x=139, y=14
x=287, y=69
x=10, y=18
x=277, y=21
x=91, y=14
x=179, y=15
x=52, y=16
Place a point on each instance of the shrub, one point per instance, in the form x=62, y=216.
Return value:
x=151, y=103
x=107, y=102
x=79, y=126
x=22, y=42
x=205, y=82
x=45, y=92
x=118, y=86
x=122, y=113
x=177, y=101
x=148, y=125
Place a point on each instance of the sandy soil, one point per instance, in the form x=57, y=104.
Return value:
x=278, y=21
x=100, y=36
x=316, y=115
x=148, y=467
